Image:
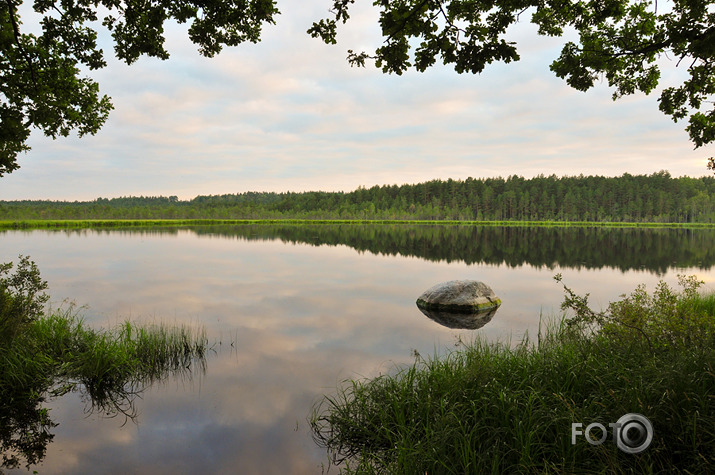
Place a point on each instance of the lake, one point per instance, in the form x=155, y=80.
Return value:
x=293, y=310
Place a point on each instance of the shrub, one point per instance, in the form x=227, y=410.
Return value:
x=21, y=298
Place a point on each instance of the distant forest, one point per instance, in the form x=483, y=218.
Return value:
x=633, y=198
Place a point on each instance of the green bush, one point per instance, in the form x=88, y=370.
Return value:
x=21, y=298
x=667, y=319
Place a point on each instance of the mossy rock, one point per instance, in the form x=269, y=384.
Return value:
x=459, y=296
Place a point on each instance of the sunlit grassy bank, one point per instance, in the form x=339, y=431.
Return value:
x=127, y=223
x=489, y=408
x=46, y=354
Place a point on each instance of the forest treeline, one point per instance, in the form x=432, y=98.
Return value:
x=633, y=198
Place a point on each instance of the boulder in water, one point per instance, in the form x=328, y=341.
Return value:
x=459, y=296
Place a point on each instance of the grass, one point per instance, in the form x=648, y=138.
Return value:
x=57, y=353
x=108, y=364
x=45, y=354
x=492, y=408
x=122, y=223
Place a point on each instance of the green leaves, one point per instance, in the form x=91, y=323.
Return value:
x=619, y=40
x=664, y=319
x=22, y=299
x=466, y=33
x=13, y=135
x=687, y=99
x=40, y=81
x=326, y=30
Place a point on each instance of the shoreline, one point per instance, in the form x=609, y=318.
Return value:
x=117, y=223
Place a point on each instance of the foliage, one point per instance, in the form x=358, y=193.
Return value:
x=40, y=76
x=664, y=320
x=22, y=297
x=619, y=40
x=496, y=408
x=47, y=355
x=24, y=427
x=42, y=86
x=658, y=197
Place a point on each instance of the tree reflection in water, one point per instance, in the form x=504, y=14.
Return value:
x=25, y=423
x=652, y=249
x=45, y=354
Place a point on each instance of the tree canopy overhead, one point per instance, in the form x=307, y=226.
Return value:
x=619, y=40
x=41, y=85
x=40, y=81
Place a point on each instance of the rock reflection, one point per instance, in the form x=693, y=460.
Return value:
x=464, y=321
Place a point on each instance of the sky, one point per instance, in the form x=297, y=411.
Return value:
x=290, y=114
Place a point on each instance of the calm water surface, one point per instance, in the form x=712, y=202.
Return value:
x=306, y=307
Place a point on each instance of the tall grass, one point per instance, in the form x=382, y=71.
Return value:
x=491, y=408
x=112, y=365
x=57, y=353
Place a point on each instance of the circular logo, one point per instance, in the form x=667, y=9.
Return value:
x=633, y=433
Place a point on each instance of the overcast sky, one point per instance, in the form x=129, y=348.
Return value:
x=289, y=113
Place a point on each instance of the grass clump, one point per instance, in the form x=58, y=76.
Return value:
x=490, y=408
x=112, y=365
x=44, y=355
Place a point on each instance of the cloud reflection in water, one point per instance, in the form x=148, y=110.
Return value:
x=304, y=318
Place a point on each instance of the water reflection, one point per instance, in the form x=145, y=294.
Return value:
x=465, y=321
x=311, y=306
x=26, y=428
x=652, y=249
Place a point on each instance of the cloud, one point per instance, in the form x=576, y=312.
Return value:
x=289, y=113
